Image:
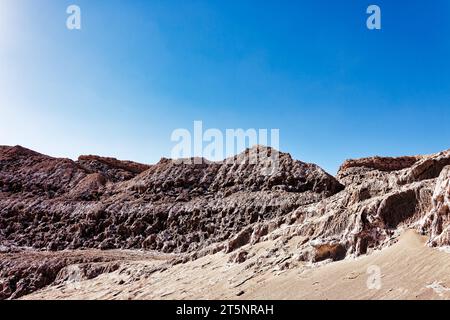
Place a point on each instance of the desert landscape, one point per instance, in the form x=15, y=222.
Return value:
x=100, y=228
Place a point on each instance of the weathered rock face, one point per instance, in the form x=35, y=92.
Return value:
x=382, y=196
x=380, y=163
x=428, y=167
x=24, y=272
x=199, y=209
x=55, y=204
x=174, y=207
x=29, y=174
x=437, y=223
x=111, y=168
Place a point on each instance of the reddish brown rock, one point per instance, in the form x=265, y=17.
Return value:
x=381, y=163
x=199, y=209
x=171, y=207
x=115, y=170
x=24, y=272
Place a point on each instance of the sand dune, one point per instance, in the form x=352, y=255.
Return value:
x=409, y=270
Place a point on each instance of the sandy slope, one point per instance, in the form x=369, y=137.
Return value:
x=409, y=270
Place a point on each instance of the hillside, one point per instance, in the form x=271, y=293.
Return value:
x=97, y=221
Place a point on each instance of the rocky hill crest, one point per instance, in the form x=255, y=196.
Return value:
x=192, y=210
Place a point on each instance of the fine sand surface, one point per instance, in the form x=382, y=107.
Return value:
x=409, y=270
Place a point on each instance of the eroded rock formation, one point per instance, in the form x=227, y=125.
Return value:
x=57, y=204
x=437, y=223
x=191, y=210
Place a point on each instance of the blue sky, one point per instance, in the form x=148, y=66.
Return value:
x=140, y=69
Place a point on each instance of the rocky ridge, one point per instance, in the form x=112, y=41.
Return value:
x=58, y=204
x=193, y=210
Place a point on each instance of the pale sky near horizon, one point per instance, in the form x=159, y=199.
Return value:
x=137, y=70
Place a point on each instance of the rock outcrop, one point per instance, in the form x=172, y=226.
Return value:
x=57, y=204
x=195, y=208
x=113, y=169
x=437, y=223
x=380, y=163
x=382, y=197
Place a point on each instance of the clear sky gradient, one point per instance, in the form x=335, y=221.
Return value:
x=140, y=69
